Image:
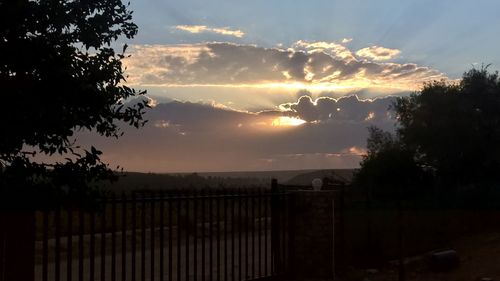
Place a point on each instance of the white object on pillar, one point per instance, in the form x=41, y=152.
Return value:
x=317, y=183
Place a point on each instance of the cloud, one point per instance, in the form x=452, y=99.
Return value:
x=346, y=40
x=186, y=136
x=345, y=109
x=331, y=48
x=377, y=53
x=203, y=28
x=321, y=65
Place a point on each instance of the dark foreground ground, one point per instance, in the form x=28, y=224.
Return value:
x=479, y=260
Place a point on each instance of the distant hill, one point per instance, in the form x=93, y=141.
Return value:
x=129, y=181
x=342, y=175
x=153, y=181
x=281, y=176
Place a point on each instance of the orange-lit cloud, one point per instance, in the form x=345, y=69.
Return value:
x=306, y=65
x=203, y=28
x=377, y=53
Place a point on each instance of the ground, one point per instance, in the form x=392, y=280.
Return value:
x=479, y=260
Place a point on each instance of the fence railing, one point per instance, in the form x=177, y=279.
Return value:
x=222, y=235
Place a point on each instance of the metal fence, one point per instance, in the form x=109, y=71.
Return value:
x=204, y=235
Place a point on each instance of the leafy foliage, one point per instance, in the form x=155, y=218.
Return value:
x=455, y=128
x=449, y=130
x=389, y=170
x=59, y=74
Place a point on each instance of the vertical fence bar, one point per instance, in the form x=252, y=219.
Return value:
x=240, y=229
x=2, y=244
x=217, y=203
x=57, y=248
x=143, y=236
x=45, y=242
x=133, y=238
x=124, y=237
x=113, y=237
x=247, y=222
x=210, y=238
x=283, y=232
x=225, y=236
x=103, y=240
x=275, y=238
x=233, y=229
x=92, y=245
x=170, y=240
x=266, y=251
x=152, y=236
x=203, y=211
x=259, y=221
x=195, y=234
x=187, y=237
x=252, y=202
x=280, y=232
x=81, y=227
x=179, y=209
x=69, y=244
x=161, y=233
x=291, y=233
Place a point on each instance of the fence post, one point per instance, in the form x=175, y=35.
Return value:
x=275, y=229
x=291, y=234
x=2, y=245
x=312, y=235
x=18, y=239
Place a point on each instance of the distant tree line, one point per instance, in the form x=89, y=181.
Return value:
x=182, y=182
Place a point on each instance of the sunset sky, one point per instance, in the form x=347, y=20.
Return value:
x=275, y=85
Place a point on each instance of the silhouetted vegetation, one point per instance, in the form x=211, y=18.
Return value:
x=181, y=183
x=446, y=138
x=60, y=74
x=390, y=172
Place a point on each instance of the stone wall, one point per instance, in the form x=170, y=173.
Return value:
x=312, y=235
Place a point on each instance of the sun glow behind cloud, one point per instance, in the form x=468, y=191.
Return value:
x=285, y=121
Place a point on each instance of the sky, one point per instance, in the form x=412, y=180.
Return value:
x=280, y=85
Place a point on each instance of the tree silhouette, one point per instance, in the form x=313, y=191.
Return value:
x=455, y=128
x=389, y=171
x=451, y=130
x=59, y=74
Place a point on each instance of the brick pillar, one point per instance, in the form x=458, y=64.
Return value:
x=312, y=235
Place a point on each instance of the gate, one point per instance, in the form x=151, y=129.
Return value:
x=197, y=235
